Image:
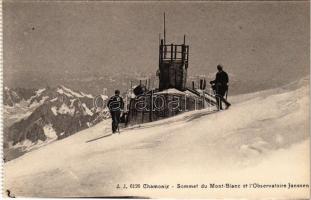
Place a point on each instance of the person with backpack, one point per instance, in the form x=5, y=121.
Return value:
x=220, y=86
x=115, y=105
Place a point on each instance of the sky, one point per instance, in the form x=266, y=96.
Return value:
x=91, y=45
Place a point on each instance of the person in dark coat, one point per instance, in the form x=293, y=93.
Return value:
x=115, y=105
x=220, y=86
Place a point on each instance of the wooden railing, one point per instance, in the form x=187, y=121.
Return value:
x=173, y=52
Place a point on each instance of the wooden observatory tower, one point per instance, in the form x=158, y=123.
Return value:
x=173, y=96
x=173, y=64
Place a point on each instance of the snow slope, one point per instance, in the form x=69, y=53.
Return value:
x=263, y=138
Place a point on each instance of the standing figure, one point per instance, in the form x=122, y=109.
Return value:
x=115, y=105
x=220, y=86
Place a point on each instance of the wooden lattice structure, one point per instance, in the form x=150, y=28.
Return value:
x=172, y=91
x=152, y=107
x=173, y=65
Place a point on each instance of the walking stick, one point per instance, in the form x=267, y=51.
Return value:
x=118, y=125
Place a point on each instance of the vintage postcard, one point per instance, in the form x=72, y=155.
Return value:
x=156, y=99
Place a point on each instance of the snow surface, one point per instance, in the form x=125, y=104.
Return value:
x=38, y=93
x=261, y=139
x=20, y=111
x=24, y=144
x=54, y=110
x=61, y=91
x=27, y=145
x=87, y=110
x=72, y=101
x=64, y=109
x=104, y=97
x=49, y=132
x=171, y=91
x=53, y=100
x=175, y=91
x=36, y=103
x=70, y=93
x=87, y=95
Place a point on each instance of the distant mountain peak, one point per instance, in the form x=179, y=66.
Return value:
x=39, y=114
x=61, y=89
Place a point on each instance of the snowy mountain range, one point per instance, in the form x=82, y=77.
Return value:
x=35, y=117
